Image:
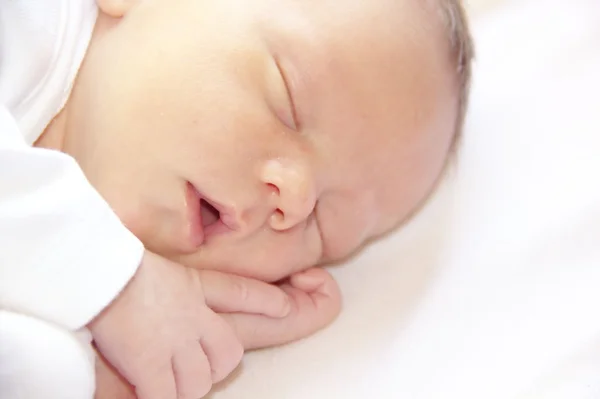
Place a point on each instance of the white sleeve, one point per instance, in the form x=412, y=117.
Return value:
x=64, y=254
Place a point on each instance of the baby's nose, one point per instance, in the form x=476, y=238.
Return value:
x=293, y=191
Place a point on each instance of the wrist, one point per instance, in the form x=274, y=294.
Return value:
x=97, y=322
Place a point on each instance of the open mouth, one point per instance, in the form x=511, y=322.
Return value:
x=207, y=218
x=209, y=215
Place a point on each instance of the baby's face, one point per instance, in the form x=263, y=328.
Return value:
x=310, y=125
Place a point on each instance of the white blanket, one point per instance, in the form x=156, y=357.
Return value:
x=494, y=291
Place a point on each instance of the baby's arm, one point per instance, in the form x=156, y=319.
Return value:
x=163, y=336
x=64, y=254
x=315, y=302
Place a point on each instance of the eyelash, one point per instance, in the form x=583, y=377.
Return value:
x=289, y=95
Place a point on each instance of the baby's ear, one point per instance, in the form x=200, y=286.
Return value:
x=115, y=8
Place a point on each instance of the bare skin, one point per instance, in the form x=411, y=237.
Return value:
x=188, y=91
x=309, y=134
x=314, y=297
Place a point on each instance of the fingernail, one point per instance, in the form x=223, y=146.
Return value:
x=306, y=278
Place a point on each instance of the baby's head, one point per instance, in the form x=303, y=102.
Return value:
x=311, y=126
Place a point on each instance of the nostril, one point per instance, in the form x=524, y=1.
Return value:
x=277, y=219
x=279, y=215
x=273, y=188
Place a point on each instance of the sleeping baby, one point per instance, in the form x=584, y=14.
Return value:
x=252, y=141
x=306, y=129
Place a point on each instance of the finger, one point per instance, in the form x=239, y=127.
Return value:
x=192, y=372
x=157, y=385
x=228, y=293
x=311, y=311
x=222, y=347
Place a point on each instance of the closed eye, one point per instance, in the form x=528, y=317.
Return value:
x=292, y=106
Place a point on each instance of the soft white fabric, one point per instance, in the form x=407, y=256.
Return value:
x=41, y=360
x=494, y=291
x=64, y=254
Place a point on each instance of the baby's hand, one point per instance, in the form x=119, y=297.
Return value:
x=162, y=335
x=316, y=302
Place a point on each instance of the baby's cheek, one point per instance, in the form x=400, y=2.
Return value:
x=345, y=225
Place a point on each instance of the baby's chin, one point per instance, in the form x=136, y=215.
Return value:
x=221, y=259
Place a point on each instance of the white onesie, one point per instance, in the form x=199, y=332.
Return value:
x=64, y=254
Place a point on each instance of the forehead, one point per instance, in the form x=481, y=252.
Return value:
x=375, y=89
